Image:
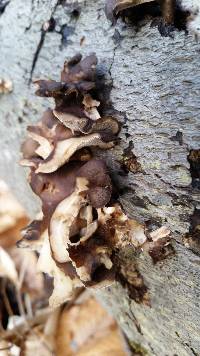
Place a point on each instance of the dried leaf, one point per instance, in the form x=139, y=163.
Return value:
x=6, y=86
x=25, y=263
x=10, y=210
x=41, y=339
x=7, y=267
x=79, y=335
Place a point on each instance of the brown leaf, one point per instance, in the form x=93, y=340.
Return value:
x=25, y=262
x=41, y=339
x=7, y=267
x=10, y=210
x=87, y=329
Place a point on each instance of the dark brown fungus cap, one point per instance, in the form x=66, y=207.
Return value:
x=42, y=139
x=106, y=124
x=86, y=125
x=73, y=122
x=51, y=128
x=80, y=72
x=77, y=76
x=114, y=7
x=65, y=149
x=100, y=185
x=50, y=88
x=33, y=230
x=93, y=257
x=99, y=196
x=77, y=112
x=51, y=189
x=96, y=172
x=54, y=187
x=77, y=231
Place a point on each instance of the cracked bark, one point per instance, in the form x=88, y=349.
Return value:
x=153, y=84
x=41, y=41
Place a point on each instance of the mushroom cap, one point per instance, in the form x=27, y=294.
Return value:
x=42, y=139
x=80, y=71
x=65, y=149
x=52, y=188
x=100, y=185
x=28, y=148
x=75, y=232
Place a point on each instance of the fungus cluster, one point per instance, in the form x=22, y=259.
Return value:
x=182, y=14
x=80, y=225
x=114, y=8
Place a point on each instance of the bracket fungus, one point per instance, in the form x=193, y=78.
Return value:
x=80, y=226
x=114, y=9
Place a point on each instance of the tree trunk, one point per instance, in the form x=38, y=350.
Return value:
x=153, y=84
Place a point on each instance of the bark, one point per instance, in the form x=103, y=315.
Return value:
x=153, y=84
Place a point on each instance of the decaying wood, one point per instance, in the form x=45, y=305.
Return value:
x=153, y=83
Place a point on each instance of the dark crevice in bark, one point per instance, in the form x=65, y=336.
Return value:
x=181, y=199
x=109, y=84
x=167, y=183
x=36, y=55
x=135, y=321
x=195, y=220
x=117, y=37
x=104, y=86
x=194, y=160
x=47, y=27
x=128, y=275
x=3, y=5
x=194, y=352
x=130, y=162
x=135, y=287
x=192, y=239
x=178, y=137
